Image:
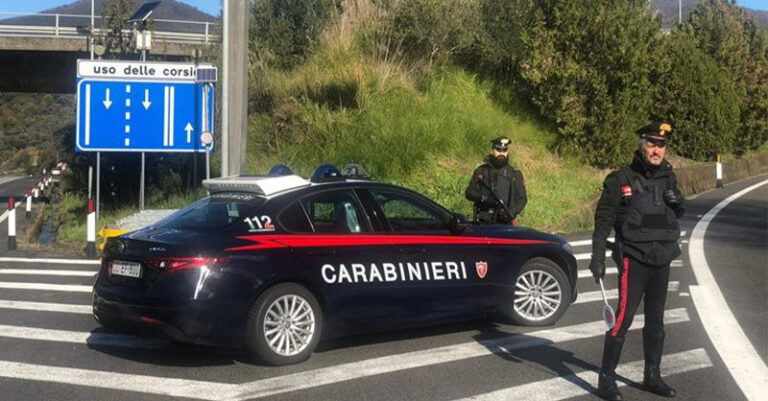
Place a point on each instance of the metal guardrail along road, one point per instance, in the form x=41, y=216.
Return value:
x=73, y=26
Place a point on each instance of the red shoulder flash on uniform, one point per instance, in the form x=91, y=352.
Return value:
x=626, y=190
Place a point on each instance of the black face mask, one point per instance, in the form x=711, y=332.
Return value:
x=499, y=161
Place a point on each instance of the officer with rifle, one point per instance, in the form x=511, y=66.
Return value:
x=642, y=203
x=497, y=189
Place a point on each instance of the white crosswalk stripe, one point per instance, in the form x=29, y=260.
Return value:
x=565, y=387
x=45, y=307
x=48, y=272
x=81, y=337
x=595, y=296
x=46, y=287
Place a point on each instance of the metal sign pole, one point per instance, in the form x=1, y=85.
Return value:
x=141, y=184
x=90, y=181
x=98, y=182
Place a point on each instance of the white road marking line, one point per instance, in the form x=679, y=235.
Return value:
x=583, y=273
x=46, y=287
x=676, y=263
x=595, y=296
x=583, y=242
x=588, y=256
x=46, y=307
x=82, y=337
x=49, y=272
x=202, y=390
x=565, y=387
x=55, y=261
x=723, y=329
x=433, y=356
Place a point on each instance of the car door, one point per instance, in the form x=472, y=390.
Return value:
x=335, y=242
x=438, y=266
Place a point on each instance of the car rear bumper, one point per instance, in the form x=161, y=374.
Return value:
x=205, y=322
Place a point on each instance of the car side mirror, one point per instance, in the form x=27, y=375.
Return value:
x=457, y=223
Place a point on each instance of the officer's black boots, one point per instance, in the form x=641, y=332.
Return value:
x=606, y=382
x=653, y=344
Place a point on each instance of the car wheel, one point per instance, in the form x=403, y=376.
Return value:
x=541, y=294
x=284, y=325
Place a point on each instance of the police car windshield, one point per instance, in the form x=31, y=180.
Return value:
x=217, y=211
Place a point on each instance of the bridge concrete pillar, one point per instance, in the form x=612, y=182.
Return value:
x=235, y=87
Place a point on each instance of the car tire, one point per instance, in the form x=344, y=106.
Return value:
x=284, y=325
x=540, y=295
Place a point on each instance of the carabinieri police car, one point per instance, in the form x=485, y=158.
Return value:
x=275, y=262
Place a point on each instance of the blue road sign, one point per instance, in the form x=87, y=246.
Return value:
x=130, y=115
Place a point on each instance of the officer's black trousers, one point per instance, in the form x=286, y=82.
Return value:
x=637, y=281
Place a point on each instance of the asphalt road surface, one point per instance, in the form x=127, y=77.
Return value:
x=51, y=348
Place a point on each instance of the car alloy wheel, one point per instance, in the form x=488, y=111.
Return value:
x=284, y=324
x=537, y=295
x=540, y=295
x=289, y=325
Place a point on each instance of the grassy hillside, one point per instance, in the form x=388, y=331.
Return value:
x=425, y=129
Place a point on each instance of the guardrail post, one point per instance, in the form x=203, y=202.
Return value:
x=90, y=248
x=57, y=24
x=719, y=172
x=11, y=224
x=28, y=213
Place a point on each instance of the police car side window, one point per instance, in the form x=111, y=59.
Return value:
x=294, y=219
x=405, y=213
x=335, y=212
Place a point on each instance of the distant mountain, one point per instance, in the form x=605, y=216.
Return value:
x=669, y=12
x=168, y=9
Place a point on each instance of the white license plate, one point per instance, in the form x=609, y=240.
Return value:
x=123, y=268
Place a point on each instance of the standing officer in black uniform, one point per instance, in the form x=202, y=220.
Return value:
x=642, y=203
x=496, y=188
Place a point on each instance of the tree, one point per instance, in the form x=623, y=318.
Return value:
x=699, y=97
x=116, y=14
x=730, y=36
x=588, y=67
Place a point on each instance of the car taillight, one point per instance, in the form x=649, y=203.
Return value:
x=178, y=264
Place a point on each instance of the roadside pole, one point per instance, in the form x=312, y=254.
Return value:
x=11, y=224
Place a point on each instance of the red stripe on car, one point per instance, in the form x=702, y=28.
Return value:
x=305, y=241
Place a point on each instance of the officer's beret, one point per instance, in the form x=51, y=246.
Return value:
x=501, y=143
x=658, y=130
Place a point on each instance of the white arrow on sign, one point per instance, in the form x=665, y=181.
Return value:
x=189, y=130
x=106, y=101
x=146, y=101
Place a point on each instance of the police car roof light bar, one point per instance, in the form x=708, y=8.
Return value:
x=279, y=169
x=327, y=172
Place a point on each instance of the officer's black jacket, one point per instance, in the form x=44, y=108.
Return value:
x=505, y=181
x=611, y=204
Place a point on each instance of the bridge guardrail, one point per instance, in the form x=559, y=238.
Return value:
x=73, y=25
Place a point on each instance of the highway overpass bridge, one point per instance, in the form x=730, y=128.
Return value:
x=38, y=52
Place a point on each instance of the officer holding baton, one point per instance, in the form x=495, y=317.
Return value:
x=642, y=203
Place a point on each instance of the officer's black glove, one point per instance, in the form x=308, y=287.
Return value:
x=504, y=217
x=673, y=197
x=597, y=267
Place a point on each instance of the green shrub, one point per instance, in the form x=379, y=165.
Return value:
x=699, y=98
x=283, y=31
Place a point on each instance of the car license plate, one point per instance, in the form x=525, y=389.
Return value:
x=123, y=268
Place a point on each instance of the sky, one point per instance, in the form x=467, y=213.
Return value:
x=213, y=6
x=28, y=6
